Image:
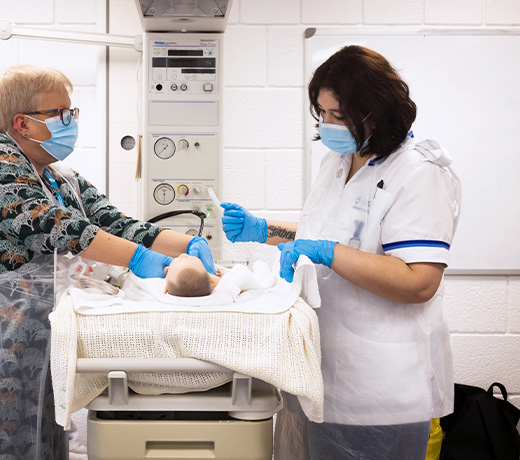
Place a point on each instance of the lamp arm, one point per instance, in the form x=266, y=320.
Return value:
x=8, y=30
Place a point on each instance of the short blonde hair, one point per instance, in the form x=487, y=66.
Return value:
x=21, y=89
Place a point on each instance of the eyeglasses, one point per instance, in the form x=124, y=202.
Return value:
x=65, y=114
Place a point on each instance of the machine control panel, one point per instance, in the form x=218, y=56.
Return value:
x=186, y=67
x=182, y=169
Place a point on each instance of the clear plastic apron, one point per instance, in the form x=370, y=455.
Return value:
x=27, y=403
x=375, y=353
x=29, y=430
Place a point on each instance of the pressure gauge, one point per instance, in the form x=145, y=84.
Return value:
x=164, y=148
x=192, y=232
x=164, y=194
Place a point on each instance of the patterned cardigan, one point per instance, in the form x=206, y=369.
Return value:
x=30, y=223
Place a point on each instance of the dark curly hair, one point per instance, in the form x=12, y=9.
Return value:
x=365, y=83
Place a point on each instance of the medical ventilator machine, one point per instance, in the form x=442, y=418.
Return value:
x=182, y=130
x=180, y=159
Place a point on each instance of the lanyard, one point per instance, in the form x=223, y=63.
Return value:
x=54, y=185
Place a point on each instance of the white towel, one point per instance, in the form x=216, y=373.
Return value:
x=259, y=290
x=306, y=281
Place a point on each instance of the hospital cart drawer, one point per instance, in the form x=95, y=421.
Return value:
x=179, y=439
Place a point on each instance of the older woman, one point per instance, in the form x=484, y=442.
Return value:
x=46, y=207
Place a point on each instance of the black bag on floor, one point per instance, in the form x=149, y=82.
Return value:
x=482, y=427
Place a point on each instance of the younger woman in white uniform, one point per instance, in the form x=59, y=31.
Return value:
x=379, y=221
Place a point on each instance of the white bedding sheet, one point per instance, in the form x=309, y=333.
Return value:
x=259, y=290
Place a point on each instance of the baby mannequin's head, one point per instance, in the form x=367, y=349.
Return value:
x=187, y=277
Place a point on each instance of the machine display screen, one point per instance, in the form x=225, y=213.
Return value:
x=185, y=53
x=183, y=62
x=198, y=71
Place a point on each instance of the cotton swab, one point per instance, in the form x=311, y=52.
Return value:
x=215, y=199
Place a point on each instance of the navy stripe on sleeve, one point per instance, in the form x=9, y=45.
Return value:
x=416, y=243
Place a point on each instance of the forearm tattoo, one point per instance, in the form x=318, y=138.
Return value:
x=273, y=232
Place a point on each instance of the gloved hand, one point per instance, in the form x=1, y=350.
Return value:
x=240, y=225
x=146, y=263
x=319, y=251
x=199, y=247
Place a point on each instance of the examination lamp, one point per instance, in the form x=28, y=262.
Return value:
x=183, y=15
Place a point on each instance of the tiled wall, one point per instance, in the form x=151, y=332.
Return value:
x=264, y=132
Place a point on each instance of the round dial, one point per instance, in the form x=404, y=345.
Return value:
x=164, y=148
x=192, y=232
x=183, y=190
x=164, y=194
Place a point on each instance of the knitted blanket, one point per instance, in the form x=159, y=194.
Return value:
x=281, y=348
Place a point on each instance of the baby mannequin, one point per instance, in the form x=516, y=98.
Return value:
x=187, y=277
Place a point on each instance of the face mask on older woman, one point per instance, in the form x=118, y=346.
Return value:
x=63, y=138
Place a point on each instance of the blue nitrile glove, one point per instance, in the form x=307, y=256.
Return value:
x=240, y=225
x=319, y=251
x=199, y=247
x=146, y=263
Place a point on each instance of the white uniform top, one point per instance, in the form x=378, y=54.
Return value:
x=384, y=362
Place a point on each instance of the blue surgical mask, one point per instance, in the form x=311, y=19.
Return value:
x=63, y=138
x=337, y=138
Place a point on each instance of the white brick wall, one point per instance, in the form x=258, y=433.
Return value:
x=245, y=48
x=123, y=90
x=332, y=12
x=502, y=12
x=76, y=12
x=461, y=12
x=28, y=12
x=285, y=51
x=378, y=12
x=264, y=130
x=488, y=315
x=269, y=11
x=263, y=117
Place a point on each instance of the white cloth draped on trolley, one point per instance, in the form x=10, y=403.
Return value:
x=278, y=343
